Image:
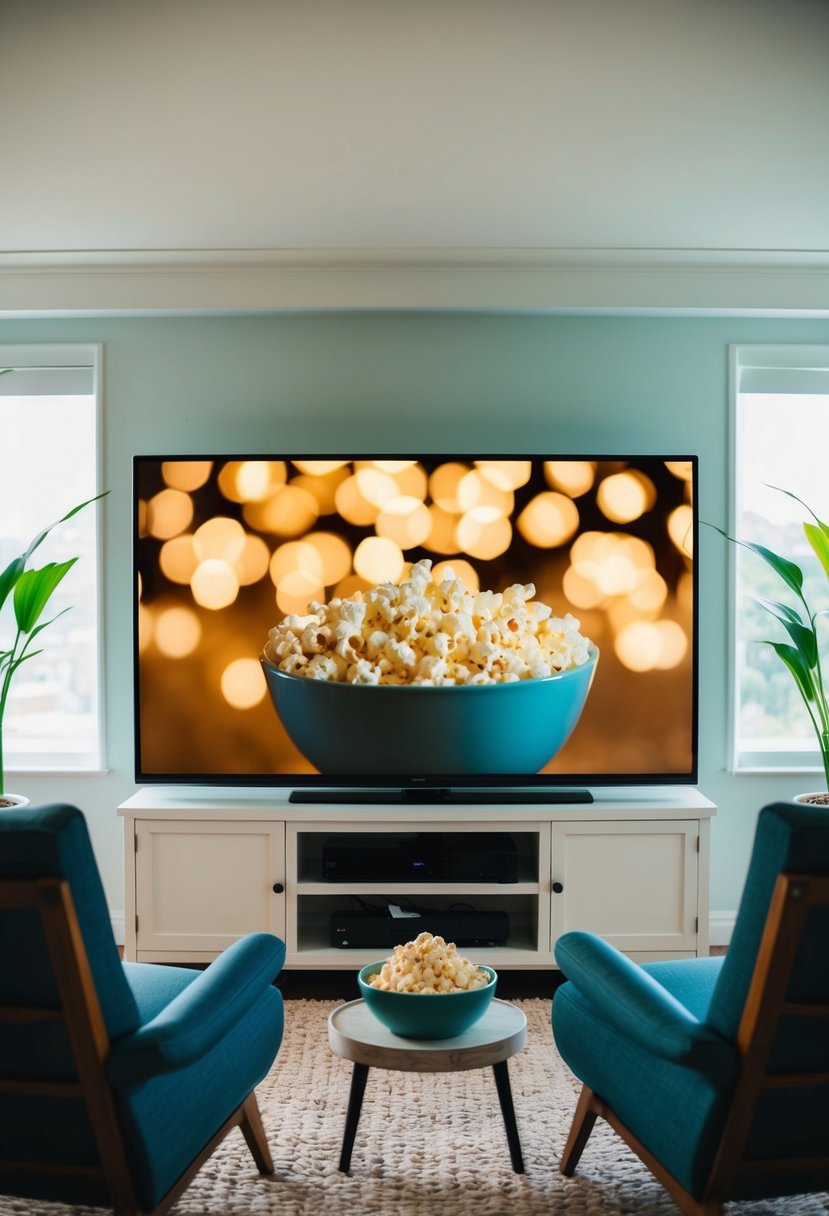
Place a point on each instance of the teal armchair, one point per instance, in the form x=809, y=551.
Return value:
x=117, y=1080
x=715, y=1070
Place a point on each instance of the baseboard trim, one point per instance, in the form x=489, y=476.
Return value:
x=721, y=926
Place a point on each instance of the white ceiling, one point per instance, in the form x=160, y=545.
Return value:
x=445, y=128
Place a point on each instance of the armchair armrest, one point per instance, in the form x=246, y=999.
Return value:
x=199, y=1017
x=636, y=1005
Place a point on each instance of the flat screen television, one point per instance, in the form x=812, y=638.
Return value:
x=228, y=547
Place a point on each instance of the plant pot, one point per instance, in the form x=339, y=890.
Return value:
x=818, y=798
x=12, y=802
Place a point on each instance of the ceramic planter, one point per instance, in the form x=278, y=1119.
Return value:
x=12, y=802
x=816, y=798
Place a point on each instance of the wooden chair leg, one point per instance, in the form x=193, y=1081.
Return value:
x=590, y=1107
x=254, y=1133
x=580, y=1129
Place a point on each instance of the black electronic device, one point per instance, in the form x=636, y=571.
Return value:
x=479, y=856
x=421, y=856
x=358, y=929
x=404, y=857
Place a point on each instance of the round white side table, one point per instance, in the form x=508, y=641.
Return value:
x=355, y=1034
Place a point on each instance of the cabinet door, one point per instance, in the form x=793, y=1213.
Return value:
x=200, y=885
x=633, y=883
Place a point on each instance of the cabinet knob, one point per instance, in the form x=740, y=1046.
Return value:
x=558, y=887
x=278, y=888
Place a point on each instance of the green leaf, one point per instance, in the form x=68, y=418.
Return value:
x=45, y=625
x=803, y=636
x=791, y=574
x=796, y=666
x=783, y=612
x=10, y=576
x=33, y=591
x=818, y=538
x=29, y=655
x=823, y=527
x=12, y=572
x=41, y=536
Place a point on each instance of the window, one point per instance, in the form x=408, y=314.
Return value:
x=780, y=438
x=49, y=424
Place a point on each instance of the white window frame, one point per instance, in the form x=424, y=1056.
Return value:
x=768, y=369
x=72, y=364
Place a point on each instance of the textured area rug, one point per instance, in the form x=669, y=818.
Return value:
x=425, y=1144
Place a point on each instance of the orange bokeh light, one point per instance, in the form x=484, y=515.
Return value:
x=177, y=559
x=186, y=474
x=243, y=683
x=550, y=519
x=574, y=477
x=289, y=512
x=251, y=480
x=169, y=512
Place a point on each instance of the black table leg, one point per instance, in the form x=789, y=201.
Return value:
x=508, y=1111
x=352, y=1116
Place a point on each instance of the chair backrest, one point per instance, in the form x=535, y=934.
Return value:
x=772, y=997
x=63, y=997
x=790, y=838
x=53, y=842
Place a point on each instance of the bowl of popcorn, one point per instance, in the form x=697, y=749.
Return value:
x=429, y=677
x=427, y=989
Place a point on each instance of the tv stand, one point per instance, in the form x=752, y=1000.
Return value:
x=442, y=795
x=203, y=867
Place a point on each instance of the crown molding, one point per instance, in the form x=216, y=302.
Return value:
x=135, y=282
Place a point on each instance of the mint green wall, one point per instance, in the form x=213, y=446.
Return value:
x=438, y=381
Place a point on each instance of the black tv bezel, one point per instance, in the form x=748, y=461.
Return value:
x=427, y=787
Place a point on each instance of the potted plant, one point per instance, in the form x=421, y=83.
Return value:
x=801, y=654
x=30, y=592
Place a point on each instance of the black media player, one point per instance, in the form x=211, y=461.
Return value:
x=353, y=930
x=426, y=856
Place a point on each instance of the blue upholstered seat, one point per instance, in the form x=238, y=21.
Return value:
x=716, y=1070
x=179, y=1051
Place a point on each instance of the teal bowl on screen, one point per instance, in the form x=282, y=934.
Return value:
x=443, y=730
x=426, y=1015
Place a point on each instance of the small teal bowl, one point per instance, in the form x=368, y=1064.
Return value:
x=426, y=1015
x=485, y=729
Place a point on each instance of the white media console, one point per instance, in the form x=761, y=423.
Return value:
x=204, y=867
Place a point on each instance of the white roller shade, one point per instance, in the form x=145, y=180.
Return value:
x=46, y=381
x=783, y=369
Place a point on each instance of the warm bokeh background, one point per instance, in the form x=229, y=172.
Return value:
x=226, y=547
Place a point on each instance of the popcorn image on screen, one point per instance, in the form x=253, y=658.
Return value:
x=423, y=632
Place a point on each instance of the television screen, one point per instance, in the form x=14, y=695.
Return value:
x=401, y=604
